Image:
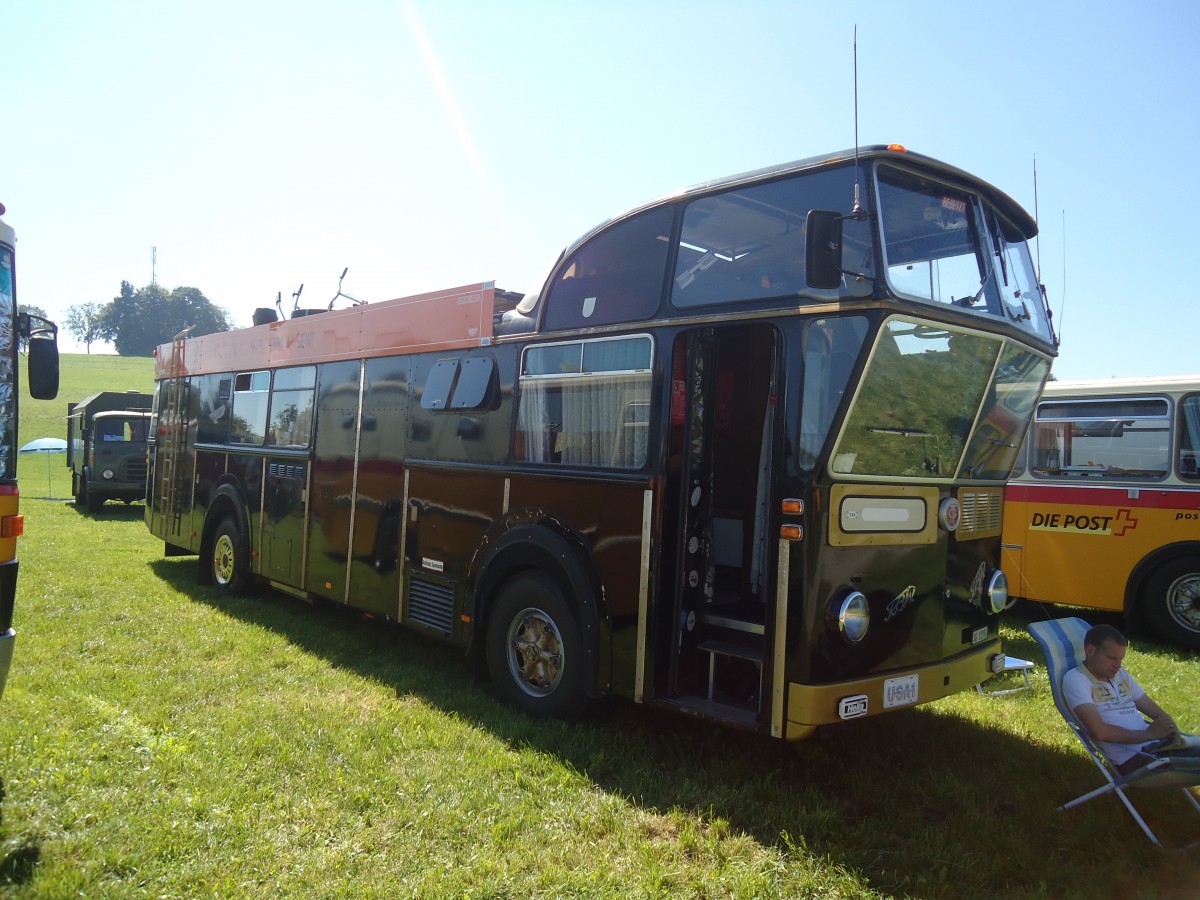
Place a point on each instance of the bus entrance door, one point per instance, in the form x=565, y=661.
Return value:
x=721, y=438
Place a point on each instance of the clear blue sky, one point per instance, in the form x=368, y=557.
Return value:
x=262, y=144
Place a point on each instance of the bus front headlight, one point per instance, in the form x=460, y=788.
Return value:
x=108, y=474
x=995, y=598
x=850, y=616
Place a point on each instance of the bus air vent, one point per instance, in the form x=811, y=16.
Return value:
x=982, y=510
x=430, y=604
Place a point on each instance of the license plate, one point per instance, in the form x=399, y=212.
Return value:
x=900, y=691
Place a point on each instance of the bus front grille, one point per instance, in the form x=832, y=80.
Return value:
x=981, y=512
x=430, y=604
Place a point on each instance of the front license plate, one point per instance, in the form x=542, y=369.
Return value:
x=900, y=691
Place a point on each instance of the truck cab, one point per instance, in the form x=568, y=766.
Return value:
x=106, y=447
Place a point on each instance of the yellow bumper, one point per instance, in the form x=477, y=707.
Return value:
x=810, y=705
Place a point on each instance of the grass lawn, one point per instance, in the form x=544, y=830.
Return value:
x=158, y=739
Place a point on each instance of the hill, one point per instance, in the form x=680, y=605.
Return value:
x=81, y=375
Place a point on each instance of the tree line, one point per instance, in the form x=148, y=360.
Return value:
x=138, y=320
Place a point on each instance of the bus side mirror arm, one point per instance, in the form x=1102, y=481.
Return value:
x=42, y=335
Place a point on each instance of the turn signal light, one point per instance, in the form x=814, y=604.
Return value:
x=12, y=526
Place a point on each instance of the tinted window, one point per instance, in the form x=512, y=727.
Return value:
x=292, y=407
x=216, y=398
x=617, y=276
x=251, y=391
x=749, y=244
x=439, y=384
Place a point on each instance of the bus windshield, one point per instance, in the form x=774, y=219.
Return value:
x=943, y=244
x=928, y=404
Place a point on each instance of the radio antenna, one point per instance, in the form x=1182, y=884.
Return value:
x=1035, y=216
x=857, y=202
x=1062, y=307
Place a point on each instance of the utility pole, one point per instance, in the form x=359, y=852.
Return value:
x=153, y=264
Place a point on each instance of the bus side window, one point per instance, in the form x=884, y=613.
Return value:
x=251, y=391
x=586, y=403
x=1189, y=436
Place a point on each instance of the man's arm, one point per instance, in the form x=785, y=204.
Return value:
x=1089, y=716
x=1155, y=713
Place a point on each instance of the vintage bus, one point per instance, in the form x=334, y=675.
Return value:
x=1103, y=509
x=40, y=337
x=741, y=455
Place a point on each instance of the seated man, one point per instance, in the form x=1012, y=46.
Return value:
x=1110, y=704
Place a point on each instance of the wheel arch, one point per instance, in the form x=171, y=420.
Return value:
x=226, y=501
x=1145, y=569
x=550, y=546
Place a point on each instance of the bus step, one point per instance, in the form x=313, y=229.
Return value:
x=715, y=648
x=715, y=710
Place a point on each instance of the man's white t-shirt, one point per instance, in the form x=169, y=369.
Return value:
x=1115, y=700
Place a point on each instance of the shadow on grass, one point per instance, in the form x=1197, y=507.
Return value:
x=114, y=510
x=921, y=801
x=17, y=863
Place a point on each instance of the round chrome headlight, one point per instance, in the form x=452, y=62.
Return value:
x=851, y=616
x=108, y=474
x=995, y=598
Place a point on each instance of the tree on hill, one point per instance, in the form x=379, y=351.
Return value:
x=23, y=309
x=137, y=321
x=85, y=323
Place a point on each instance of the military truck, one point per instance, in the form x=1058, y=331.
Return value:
x=106, y=447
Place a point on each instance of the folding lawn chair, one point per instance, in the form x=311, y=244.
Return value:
x=1061, y=641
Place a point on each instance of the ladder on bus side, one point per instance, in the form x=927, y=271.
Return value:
x=171, y=515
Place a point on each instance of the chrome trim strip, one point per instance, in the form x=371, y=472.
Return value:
x=362, y=382
x=400, y=604
x=778, y=683
x=639, y=686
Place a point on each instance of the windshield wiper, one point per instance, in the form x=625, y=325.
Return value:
x=933, y=465
x=903, y=432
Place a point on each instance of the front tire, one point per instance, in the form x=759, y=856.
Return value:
x=1171, y=601
x=230, y=558
x=534, y=648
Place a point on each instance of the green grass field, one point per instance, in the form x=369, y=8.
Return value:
x=158, y=739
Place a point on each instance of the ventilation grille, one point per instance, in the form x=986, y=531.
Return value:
x=981, y=512
x=430, y=604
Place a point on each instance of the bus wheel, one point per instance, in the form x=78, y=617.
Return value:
x=1171, y=601
x=229, y=558
x=534, y=649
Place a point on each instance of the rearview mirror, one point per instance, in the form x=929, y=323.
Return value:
x=43, y=355
x=823, y=249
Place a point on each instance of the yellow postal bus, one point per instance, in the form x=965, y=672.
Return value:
x=1103, y=508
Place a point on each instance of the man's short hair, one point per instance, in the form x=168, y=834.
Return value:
x=1098, y=635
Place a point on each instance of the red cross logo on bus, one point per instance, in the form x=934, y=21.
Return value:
x=1124, y=522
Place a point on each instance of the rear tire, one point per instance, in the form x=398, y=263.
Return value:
x=230, y=559
x=534, y=648
x=1171, y=601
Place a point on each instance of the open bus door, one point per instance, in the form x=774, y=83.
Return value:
x=722, y=437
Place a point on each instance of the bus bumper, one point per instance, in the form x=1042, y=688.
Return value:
x=6, y=653
x=810, y=705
